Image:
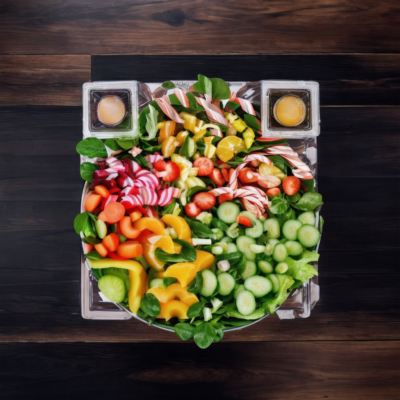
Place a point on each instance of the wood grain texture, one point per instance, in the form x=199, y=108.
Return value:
x=198, y=27
x=344, y=79
x=43, y=80
x=230, y=371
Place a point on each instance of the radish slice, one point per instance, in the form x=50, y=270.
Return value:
x=201, y=242
x=112, y=199
x=165, y=197
x=224, y=265
x=149, y=196
x=153, y=158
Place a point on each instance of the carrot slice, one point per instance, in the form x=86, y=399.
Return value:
x=111, y=241
x=225, y=173
x=87, y=248
x=92, y=202
x=102, y=217
x=101, y=249
x=113, y=212
x=127, y=229
x=102, y=191
x=136, y=215
x=116, y=256
x=130, y=249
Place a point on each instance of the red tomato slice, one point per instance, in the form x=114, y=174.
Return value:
x=205, y=166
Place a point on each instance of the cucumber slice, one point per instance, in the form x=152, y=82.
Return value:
x=217, y=250
x=307, y=218
x=265, y=267
x=280, y=253
x=101, y=228
x=272, y=227
x=239, y=289
x=121, y=273
x=232, y=248
x=243, y=243
x=249, y=270
x=308, y=235
x=257, y=248
x=209, y=283
x=293, y=248
x=226, y=239
x=228, y=212
x=207, y=313
x=226, y=283
x=223, y=245
x=256, y=231
x=275, y=283
x=281, y=268
x=258, y=285
x=113, y=287
x=217, y=234
x=262, y=218
x=235, y=230
x=245, y=302
x=157, y=283
x=269, y=248
x=290, y=229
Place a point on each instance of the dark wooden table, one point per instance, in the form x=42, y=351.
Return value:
x=348, y=348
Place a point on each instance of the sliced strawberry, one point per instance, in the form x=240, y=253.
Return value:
x=205, y=166
x=192, y=210
x=242, y=220
x=173, y=172
x=217, y=177
x=159, y=165
x=273, y=192
x=204, y=200
x=225, y=197
x=291, y=185
x=246, y=175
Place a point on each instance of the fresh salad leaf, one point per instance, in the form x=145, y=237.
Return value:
x=285, y=282
x=204, y=85
x=92, y=148
x=280, y=162
x=150, y=305
x=200, y=230
x=321, y=224
x=235, y=259
x=187, y=254
x=87, y=170
x=91, y=240
x=308, y=184
x=252, y=122
x=151, y=123
x=196, y=284
x=126, y=144
x=169, y=281
x=300, y=269
x=278, y=205
x=187, y=250
x=193, y=105
x=195, y=189
x=169, y=209
x=168, y=85
x=295, y=198
x=233, y=105
x=142, y=120
x=257, y=314
x=220, y=89
x=80, y=222
x=184, y=330
x=217, y=223
x=149, y=147
x=204, y=335
x=308, y=202
x=185, y=149
x=93, y=255
x=112, y=144
x=195, y=310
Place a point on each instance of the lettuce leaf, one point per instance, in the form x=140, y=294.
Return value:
x=151, y=123
x=301, y=270
x=285, y=282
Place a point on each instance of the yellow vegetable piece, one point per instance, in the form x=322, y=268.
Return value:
x=193, y=171
x=179, y=224
x=184, y=272
x=268, y=169
x=152, y=224
x=173, y=308
x=168, y=146
x=184, y=171
x=208, y=139
x=180, y=137
x=137, y=277
x=228, y=147
x=190, y=120
x=248, y=136
x=165, y=243
x=176, y=158
x=172, y=292
x=204, y=260
x=167, y=130
x=209, y=150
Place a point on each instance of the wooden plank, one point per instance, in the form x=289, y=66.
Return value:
x=357, y=371
x=43, y=80
x=344, y=79
x=173, y=27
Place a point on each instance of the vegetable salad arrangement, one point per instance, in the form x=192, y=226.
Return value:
x=198, y=224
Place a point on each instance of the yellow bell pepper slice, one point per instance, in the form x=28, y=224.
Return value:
x=185, y=272
x=181, y=227
x=248, y=136
x=172, y=292
x=173, y=308
x=204, y=260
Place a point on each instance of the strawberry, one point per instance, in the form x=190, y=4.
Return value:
x=173, y=171
x=273, y=192
x=217, y=177
x=291, y=185
x=205, y=166
x=242, y=220
x=192, y=210
x=159, y=165
x=225, y=197
x=204, y=200
x=246, y=175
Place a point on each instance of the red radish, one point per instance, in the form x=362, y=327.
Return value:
x=205, y=166
x=242, y=220
x=204, y=200
x=159, y=165
x=273, y=192
x=114, y=190
x=137, y=208
x=224, y=197
x=152, y=213
x=217, y=177
x=100, y=174
x=192, y=210
x=246, y=175
x=291, y=185
x=173, y=172
x=116, y=256
x=109, y=184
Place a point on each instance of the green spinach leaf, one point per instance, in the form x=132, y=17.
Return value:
x=195, y=310
x=168, y=85
x=196, y=284
x=220, y=89
x=308, y=184
x=252, y=122
x=112, y=144
x=200, y=230
x=92, y=148
x=93, y=255
x=204, y=85
x=308, y=202
x=184, y=331
x=126, y=144
x=204, y=335
x=278, y=205
x=87, y=170
x=169, y=281
x=150, y=305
